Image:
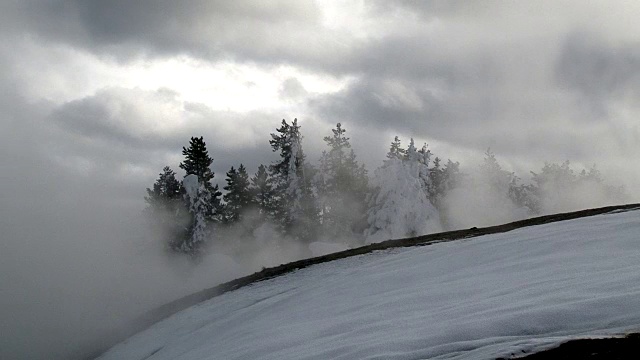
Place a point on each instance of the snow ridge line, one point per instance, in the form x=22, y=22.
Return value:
x=175, y=306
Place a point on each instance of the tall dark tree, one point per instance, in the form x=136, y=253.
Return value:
x=262, y=193
x=198, y=162
x=202, y=198
x=295, y=208
x=238, y=197
x=166, y=191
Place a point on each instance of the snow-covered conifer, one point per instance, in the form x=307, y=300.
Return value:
x=198, y=162
x=399, y=205
x=396, y=150
x=295, y=208
x=198, y=197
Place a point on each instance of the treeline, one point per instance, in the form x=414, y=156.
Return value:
x=412, y=193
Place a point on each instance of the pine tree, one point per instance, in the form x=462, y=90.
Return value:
x=493, y=175
x=558, y=188
x=262, y=193
x=396, y=151
x=452, y=175
x=342, y=186
x=441, y=181
x=167, y=190
x=238, y=197
x=524, y=196
x=295, y=208
x=198, y=197
x=436, y=189
x=198, y=162
x=201, y=196
x=399, y=205
x=166, y=208
x=491, y=195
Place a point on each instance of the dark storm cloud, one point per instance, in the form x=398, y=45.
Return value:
x=599, y=71
x=435, y=8
x=123, y=117
x=455, y=101
x=281, y=32
x=266, y=32
x=499, y=94
x=419, y=56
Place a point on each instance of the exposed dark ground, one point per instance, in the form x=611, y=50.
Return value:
x=622, y=348
x=173, y=307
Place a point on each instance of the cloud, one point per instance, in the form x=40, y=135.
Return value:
x=292, y=88
x=273, y=32
x=599, y=72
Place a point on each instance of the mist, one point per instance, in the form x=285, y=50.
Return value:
x=76, y=275
x=477, y=201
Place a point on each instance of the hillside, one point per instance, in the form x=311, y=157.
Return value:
x=485, y=297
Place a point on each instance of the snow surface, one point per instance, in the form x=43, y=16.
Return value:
x=479, y=298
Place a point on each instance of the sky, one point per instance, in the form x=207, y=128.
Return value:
x=96, y=97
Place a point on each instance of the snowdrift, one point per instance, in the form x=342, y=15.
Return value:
x=490, y=296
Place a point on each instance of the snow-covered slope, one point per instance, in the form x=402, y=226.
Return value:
x=479, y=298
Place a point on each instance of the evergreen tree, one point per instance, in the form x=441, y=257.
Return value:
x=198, y=197
x=342, y=186
x=202, y=198
x=399, y=205
x=437, y=188
x=395, y=151
x=418, y=161
x=493, y=176
x=452, y=175
x=524, y=196
x=500, y=190
x=295, y=208
x=167, y=190
x=558, y=188
x=238, y=197
x=262, y=193
x=166, y=208
x=505, y=185
x=442, y=180
x=198, y=162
